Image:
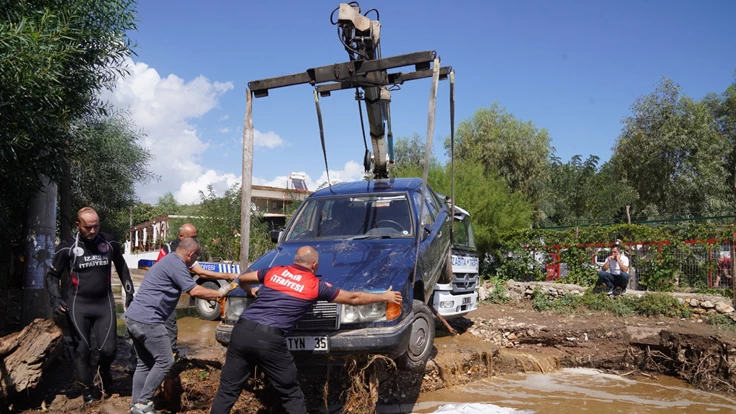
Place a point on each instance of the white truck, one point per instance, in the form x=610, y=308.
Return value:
x=460, y=296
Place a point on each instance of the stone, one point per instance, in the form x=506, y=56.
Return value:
x=512, y=336
x=699, y=311
x=722, y=307
x=694, y=303
x=681, y=301
x=482, y=294
x=707, y=304
x=528, y=291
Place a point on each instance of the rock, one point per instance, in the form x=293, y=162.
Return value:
x=681, y=301
x=694, y=303
x=707, y=304
x=511, y=336
x=699, y=321
x=482, y=294
x=722, y=307
x=699, y=311
x=530, y=332
x=528, y=292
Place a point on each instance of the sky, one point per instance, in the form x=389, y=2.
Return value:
x=571, y=67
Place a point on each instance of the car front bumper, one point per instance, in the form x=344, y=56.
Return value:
x=454, y=306
x=390, y=341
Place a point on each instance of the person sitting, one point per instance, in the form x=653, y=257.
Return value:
x=614, y=273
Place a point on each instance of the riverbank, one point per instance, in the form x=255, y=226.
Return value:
x=497, y=339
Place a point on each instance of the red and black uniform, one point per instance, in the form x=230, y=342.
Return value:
x=286, y=295
x=91, y=304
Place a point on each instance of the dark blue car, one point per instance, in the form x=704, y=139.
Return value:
x=367, y=234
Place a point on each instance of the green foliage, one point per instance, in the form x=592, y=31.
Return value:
x=515, y=259
x=652, y=304
x=672, y=153
x=106, y=162
x=497, y=294
x=512, y=149
x=55, y=58
x=581, y=191
x=218, y=227
x=494, y=208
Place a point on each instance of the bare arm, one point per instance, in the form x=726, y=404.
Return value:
x=204, y=293
x=365, y=298
x=605, y=265
x=208, y=274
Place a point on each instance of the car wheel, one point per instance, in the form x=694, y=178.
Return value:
x=421, y=340
x=208, y=309
x=446, y=274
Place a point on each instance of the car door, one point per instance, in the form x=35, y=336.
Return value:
x=427, y=232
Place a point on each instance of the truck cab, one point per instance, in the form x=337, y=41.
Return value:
x=456, y=297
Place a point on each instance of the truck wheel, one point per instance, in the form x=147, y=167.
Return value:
x=421, y=340
x=446, y=274
x=208, y=309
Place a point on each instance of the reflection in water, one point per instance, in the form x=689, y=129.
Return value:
x=578, y=390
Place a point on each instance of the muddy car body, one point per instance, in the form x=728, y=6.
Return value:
x=369, y=236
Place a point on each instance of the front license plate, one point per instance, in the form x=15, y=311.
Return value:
x=308, y=343
x=467, y=301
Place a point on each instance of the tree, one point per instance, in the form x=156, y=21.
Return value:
x=723, y=107
x=581, y=191
x=515, y=150
x=671, y=152
x=55, y=57
x=106, y=163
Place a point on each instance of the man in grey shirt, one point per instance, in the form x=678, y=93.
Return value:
x=154, y=302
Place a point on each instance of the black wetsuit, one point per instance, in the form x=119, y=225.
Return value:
x=90, y=301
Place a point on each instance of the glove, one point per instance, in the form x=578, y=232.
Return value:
x=59, y=305
x=128, y=299
x=224, y=290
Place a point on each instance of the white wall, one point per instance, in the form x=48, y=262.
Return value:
x=132, y=259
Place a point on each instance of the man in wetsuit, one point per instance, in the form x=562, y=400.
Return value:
x=90, y=305
x=186, y=230
x=258, y=338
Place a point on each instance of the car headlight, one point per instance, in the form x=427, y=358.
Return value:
x=365, y=313
x=235, y=306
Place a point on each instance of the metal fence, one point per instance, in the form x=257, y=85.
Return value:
x=695, y=264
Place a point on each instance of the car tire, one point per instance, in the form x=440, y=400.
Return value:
x=208, y=309
x=446, y=273
x=421, y=340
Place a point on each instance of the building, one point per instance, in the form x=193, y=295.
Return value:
x=272, y=203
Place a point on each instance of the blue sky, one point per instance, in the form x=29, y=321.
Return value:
x=572, y=67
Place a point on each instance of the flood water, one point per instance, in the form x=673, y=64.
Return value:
x=572, y=390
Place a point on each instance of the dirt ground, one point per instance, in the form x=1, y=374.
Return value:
x=494, y=340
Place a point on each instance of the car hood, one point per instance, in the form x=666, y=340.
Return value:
x=363, y=265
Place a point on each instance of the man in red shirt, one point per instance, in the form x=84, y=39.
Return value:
x=258, y=338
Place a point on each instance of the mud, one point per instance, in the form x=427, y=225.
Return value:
x=496, y=340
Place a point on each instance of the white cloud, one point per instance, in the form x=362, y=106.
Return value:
x=164, y=107
x=224, y=130
x=189, y=190
x=352, y=171
x=269, y=139
x=225, y=117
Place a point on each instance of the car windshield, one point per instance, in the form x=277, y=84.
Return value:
x=352, y=217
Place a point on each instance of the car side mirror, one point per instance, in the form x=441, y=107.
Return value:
x=275, y=235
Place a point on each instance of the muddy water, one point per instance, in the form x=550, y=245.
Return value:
x=573, y=390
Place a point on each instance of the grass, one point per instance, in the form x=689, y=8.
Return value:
x=653, y=304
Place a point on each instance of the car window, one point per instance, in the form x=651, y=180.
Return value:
x=354, y=216
x=427, y=217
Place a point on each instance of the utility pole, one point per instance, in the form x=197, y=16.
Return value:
x=39, y=250
x=245, y=212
